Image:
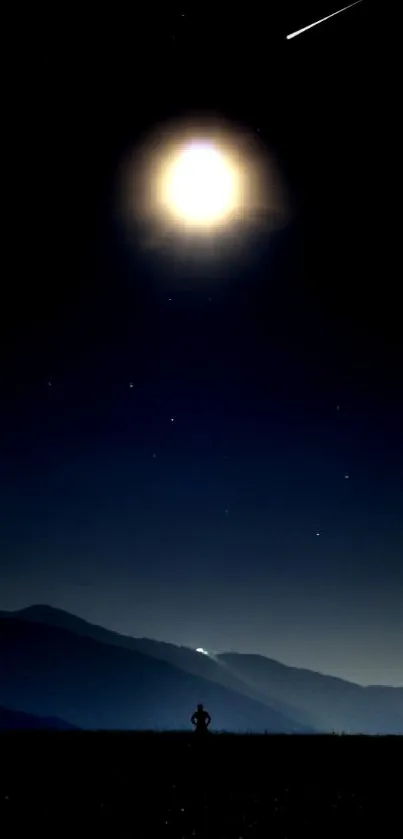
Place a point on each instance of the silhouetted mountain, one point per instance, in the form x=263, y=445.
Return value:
x=20, y=721
x=308, y=699
x=326, y=701
x=52, y=671
x=185, y=658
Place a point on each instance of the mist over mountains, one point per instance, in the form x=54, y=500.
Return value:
x=56, y=665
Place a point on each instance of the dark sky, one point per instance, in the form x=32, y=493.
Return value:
x=233, y=527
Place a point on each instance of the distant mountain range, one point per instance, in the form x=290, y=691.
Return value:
x=54, y=664
x=11, y=720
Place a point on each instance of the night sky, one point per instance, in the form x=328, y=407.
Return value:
x=267, y=516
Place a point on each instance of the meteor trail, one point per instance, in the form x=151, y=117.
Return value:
x=300, y=31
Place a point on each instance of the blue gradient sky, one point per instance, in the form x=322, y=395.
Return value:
x=282, y=378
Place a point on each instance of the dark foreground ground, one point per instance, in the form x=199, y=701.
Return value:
x=172, y=785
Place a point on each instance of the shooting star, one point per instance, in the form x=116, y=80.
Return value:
x=305, y=28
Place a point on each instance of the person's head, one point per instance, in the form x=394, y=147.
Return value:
x=200, y=707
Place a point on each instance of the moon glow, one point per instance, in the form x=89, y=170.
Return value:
x=200, y=185
x=198, y=188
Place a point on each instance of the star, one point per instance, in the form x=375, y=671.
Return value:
x=346, y=476
x=318, y=532
x=172, y=419
x=130, y=385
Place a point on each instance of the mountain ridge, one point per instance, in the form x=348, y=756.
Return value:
x=306, y=698
x=40, y=611
x=52, y=671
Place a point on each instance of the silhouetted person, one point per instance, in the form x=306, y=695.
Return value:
x=201, y=719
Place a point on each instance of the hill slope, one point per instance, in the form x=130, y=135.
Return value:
x=52, y=671
x=183, y=657
x=308, y=699
x=325, y=700
x=12, y=720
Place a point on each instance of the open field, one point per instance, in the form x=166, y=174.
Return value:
x=174, y=785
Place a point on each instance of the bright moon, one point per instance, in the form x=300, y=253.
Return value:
x=200, y=186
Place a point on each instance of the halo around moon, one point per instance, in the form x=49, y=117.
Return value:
x=199, y=184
